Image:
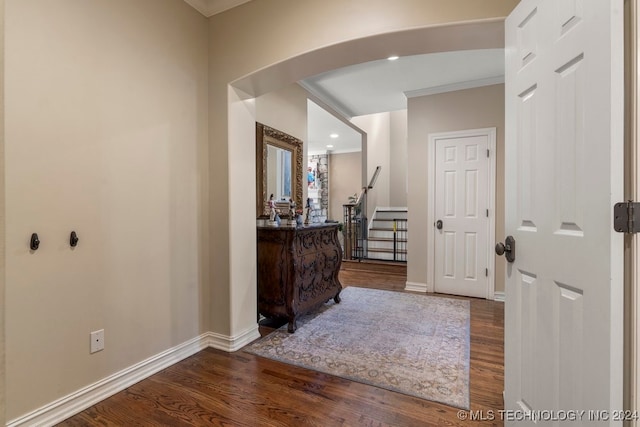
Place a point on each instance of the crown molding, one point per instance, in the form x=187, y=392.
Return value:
x=489, y=81
x=211, y=7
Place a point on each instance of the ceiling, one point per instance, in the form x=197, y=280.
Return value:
x=381, y=86
x=211, y=7
x=321, y=124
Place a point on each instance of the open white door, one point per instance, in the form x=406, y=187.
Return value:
x=563, y=166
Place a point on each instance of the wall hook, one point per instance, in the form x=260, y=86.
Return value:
x=35, y=242
x=73, y=239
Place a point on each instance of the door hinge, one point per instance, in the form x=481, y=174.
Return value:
x=487, y=213
x=488, y=153
x=626, y=217
x=486, y=272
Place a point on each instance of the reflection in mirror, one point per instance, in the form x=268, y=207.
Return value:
x=278, y=168
x=278, y=173
x=345, y=159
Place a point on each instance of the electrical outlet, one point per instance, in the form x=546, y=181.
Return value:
x=97, y=341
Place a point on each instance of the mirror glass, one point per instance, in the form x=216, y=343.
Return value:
x=348, y=162
x=278, y=173
x=278, y=168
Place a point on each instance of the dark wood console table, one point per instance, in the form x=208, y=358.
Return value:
x=297, y=270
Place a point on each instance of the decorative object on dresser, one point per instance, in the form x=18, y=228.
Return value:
x=297, y=270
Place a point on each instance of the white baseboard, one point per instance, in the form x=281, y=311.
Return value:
x=391, y=208
x=498, y=296
x=67, y=406
x=416, y=287
x=231, y=344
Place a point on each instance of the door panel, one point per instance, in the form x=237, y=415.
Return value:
x=563, y=167
x=527, y=165
x=450, y=254
x=527, y=337
x=470, y=256
x=569, y=164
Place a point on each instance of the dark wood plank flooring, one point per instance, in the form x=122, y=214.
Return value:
x=215, y=388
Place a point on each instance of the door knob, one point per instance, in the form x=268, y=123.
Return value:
x=439, y=224
x=508, y=248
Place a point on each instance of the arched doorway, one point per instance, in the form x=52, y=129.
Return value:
x=240, y=288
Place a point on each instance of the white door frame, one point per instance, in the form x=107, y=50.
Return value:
x=490, y=133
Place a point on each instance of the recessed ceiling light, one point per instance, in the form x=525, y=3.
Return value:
x=393, y=57
x=329, y=146
x=334, y=135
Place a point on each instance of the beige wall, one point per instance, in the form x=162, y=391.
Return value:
x=386, y=147
x=285, y=109
x=106, y=112
x=122, y=126
x=377, y=127
x=293, y=42
x=398, y=184
x=466, y=109
x=344, y=181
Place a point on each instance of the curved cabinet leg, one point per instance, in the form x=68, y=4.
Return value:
x=337, y=298
x=293, y=325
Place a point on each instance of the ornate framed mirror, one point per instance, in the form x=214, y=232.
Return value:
x=278, y=168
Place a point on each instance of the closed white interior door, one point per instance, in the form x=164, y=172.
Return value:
x=462, y=213
x=564, y=165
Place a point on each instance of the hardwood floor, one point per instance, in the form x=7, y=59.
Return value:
x=386, y=276
x=217, y=388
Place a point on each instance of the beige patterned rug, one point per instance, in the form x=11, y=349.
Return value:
x=413, y=344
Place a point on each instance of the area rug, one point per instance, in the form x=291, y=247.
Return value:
x=412, y=344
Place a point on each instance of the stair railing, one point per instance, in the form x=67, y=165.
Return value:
x=355, y=228
x=355, y=223
x=399, y=239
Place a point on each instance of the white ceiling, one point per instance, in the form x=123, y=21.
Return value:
x=321, y=124
x=384, y=85
x=381, y=86
x=211, y=7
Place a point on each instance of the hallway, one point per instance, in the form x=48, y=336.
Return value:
x=216, y=388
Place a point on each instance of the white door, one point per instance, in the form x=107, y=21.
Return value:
x=563, y=174
x=462, y=207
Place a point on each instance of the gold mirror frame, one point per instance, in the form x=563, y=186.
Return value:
x=268, y=136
